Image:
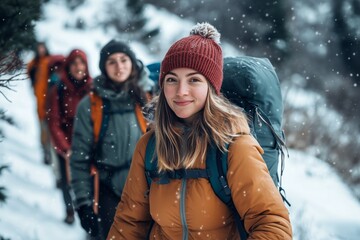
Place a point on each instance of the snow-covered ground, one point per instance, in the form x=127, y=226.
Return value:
x=322, y=205
x=34, y=208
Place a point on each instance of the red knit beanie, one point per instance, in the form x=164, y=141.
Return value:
x=199, y=51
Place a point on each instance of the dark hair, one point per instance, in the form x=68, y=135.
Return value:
x=131, y=85
x=37, y=56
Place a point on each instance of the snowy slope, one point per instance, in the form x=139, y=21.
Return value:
x=34, y=208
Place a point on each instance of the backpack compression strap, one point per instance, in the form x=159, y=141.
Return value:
x=281, y=146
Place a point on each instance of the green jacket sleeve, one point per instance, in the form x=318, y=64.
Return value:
x=132, y=219
x=80, y=160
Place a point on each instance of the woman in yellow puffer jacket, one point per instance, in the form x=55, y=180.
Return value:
x=190, y=115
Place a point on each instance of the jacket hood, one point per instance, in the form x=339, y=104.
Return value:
x=65, y=74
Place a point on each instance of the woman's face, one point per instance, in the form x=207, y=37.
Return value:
x=185, y=91
x=78, y=69
x=118, y=67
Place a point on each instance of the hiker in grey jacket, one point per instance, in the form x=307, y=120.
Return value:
x=121, y=89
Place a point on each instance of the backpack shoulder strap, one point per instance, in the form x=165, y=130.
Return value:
x=96, y=114
x=217, y=166
x=60, y=92
x=99, y=116
x=140, y=118
x=150, y=160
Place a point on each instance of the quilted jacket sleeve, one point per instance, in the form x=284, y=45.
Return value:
x=80, y=160
x=254, y=194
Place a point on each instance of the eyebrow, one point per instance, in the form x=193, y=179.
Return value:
x=114, y=58
x=187, y=75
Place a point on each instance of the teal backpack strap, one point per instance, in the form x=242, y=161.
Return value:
x=217, y=177
x=217, y=166
x=150, y=169
x=105, y=120
x=150, y=161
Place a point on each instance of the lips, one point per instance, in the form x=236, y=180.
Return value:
x=182, y=103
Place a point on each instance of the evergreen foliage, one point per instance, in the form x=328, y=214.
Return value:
x=2, y=188
x=346, y=27
x=17, y=24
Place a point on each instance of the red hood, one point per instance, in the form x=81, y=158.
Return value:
x=65, y=76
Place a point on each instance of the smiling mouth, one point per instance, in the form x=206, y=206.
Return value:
x=182, y=103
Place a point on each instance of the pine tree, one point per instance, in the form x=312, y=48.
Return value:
x=17, y=24
x=346, y=15
x=16, y=34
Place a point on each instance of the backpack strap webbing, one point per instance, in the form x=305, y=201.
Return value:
x=215, y=172
x=281, y=145
x=150, y=169
x=150, y=161
x=217, y=165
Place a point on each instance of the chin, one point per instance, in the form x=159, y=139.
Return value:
x=182, y=115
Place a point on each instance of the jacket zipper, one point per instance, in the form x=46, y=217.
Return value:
x=182, y=209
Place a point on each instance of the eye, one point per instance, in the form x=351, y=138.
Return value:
x=194, y=80
x=124, y=60
x=170, y=80
x=110, y=62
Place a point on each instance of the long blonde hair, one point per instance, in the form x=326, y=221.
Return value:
x=217, y=123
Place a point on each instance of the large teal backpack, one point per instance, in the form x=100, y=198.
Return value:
x=252, y=84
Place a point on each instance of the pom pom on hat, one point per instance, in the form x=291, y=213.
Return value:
x=206, y=30
x=199, y=51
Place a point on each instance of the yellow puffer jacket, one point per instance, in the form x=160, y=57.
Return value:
x=189, y=209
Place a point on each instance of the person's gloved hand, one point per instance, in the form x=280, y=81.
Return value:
x=88, y=220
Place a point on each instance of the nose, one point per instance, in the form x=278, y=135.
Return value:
x=183, y=88
x=119, y=64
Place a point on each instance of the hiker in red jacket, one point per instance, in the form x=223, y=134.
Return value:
x=74, y=84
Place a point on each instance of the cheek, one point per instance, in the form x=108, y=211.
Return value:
x=107, y=68
x=167, y=94
x=128, y=66
x=83, y=67
x=202, y=95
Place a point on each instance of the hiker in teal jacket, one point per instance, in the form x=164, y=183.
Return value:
x=122, y=85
